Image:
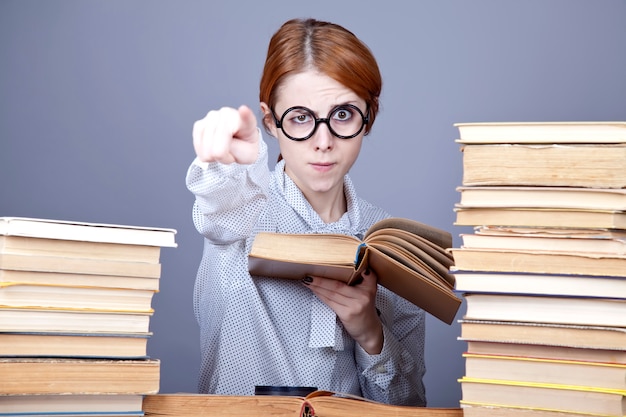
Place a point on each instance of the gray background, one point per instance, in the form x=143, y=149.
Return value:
x=97, y=100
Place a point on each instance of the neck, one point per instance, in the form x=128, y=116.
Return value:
x=330, y=206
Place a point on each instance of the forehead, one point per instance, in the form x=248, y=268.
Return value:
x=314, y=90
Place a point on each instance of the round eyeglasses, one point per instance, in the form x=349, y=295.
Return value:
x=299, y=123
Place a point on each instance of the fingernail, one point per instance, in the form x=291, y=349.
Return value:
x=307, y=280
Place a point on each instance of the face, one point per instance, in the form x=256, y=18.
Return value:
x=317, y=165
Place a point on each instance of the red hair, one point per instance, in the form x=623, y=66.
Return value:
x=303, y=44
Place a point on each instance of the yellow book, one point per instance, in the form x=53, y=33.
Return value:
x=546, y=370
x=543, y=396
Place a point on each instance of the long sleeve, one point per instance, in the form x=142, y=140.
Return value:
x=395, y=375
x=270, y=331
x=229, y=198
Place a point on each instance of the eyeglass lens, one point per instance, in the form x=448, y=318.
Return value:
x=345, y=121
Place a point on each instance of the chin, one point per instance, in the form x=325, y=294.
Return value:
x=324, y=187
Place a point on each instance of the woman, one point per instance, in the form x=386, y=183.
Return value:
x=319, y=97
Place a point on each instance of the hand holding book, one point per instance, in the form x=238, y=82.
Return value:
x=409, y=258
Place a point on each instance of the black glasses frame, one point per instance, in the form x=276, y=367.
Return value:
x=365, y=120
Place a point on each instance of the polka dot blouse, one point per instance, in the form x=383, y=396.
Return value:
x=270, y=331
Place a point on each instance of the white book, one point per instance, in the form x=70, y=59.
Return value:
x=88, y=232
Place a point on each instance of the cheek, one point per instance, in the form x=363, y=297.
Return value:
x=288, y=148
x=353, y=148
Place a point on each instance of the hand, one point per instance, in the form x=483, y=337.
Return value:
x=355, y=306
x=227, y=135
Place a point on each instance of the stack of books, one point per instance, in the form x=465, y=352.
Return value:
x=75, y=309
x=543, y=272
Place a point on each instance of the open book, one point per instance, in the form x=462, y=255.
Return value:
x=316, y=404
x=409, y=258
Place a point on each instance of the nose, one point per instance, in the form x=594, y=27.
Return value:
x=323, y=137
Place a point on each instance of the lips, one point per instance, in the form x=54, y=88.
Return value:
x=322, y=166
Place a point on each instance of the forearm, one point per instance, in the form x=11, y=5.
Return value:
x=229, y=198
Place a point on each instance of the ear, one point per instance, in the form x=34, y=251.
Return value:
x=268, y=120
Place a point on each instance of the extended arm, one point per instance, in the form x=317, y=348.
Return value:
x=229, y=176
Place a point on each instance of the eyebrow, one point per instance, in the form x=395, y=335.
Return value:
x=333, y=107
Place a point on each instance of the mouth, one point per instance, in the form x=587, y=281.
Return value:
x=322, y=166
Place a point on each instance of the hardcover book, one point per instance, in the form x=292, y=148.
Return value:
x=316, y=404
x=409, y=258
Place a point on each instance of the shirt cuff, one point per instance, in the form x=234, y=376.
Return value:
x=382, y=368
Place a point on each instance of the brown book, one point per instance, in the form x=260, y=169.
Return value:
x=73, y=320
x=546, y=371
x=21, y=295
x=543, y=132
x=570, y=335
x=75, y=265
x=26, y=295
x=543, y=197
x=74, y=345
x=491, y=411
x=540, y=262
x=20, y=245
x=555, y=165
x=80, y=248
x=79, y=376
x=546, y=309
x=539, y=217
x=71, y=405
x=410, y=259
x=547, y=239
x=80, y=280
x=543, y=397
x=546, y=351
x=316, y=404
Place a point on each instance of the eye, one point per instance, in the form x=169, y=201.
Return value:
x=300, y=117
x=343, y=114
